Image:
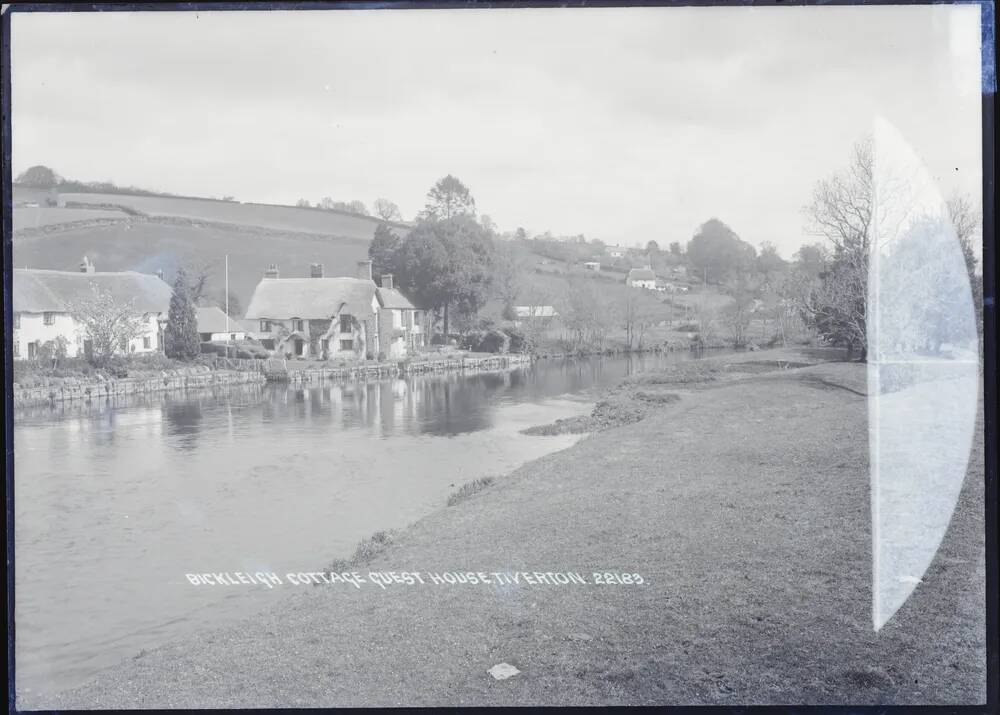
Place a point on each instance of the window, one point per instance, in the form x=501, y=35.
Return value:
x=299, y=325
x=49, y=318
x=17, y=349
x=265, y=326
x=232, y=336
x=124, y=345
x=17, y=320
x=345, y=323
x=147, y=343
x=346, y=344
x=32, y=350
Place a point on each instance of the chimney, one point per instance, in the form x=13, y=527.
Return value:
x=316, y=270
x=387, y=280
x=365, y=270
x=86, y=266
x=272, y=271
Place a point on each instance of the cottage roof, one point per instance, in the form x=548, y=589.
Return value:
x=392, y=298
x=641, y=274
x=39, y=291
x=310, y=298
x=212, y=319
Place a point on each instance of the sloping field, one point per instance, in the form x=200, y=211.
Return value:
x=284, y=218
x=38, y=216
x=152, y=245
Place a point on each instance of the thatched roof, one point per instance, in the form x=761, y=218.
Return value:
x=40, y=291
x=392, y=298
x=310, y=298
x=212, y=319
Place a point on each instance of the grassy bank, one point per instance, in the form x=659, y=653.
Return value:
x=743, y=504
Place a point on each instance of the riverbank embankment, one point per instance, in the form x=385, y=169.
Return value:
x=743, y=505
x=194, y=377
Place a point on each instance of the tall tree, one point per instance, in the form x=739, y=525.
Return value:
x=966, y=221
x=769, y=263
x=387, y=210
x=302, y=203
x=448, y=198
x=842, y=211
x=181, y=339
x=445, y=265
x=38, y=177
x=718, y=253
x=384, y=252
x=675, y=248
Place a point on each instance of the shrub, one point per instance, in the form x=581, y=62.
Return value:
x=366, y=550
x=486, y=341
x=468, y=489
x=519, y=342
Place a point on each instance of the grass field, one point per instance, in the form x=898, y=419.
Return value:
x=281, y=218
x=148, y=246
x=38, y=216
x=744, y=505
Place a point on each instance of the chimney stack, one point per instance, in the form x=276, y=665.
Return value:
x=365, y=270
x=387, y=280
x=272, y=271
x=86, y=266
x=316, y=270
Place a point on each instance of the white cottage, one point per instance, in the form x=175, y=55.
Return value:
x=322, y=318
x=43, y=303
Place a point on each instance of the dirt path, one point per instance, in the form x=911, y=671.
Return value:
x=745, y=507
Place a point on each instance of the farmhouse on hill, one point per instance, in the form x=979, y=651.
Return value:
x=43, y=302
x=321, y=318
x=641, y=278
x=214, y=325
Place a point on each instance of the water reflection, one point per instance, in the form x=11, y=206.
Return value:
x=183, y=420
x=129, y=495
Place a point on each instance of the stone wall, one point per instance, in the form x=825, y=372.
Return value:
x=188, y=378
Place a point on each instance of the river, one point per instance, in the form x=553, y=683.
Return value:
x=114, y=504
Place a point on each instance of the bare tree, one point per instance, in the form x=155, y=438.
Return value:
x=967, y=220
x=842, y=211
x=387, y=210
x=509, y=267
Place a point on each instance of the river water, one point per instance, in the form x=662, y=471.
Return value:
x=114, y=504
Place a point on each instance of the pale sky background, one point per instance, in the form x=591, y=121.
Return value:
x=622, y=124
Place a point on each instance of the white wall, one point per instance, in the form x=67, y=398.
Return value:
x=32, y=329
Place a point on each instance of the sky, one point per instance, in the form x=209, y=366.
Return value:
x=623, y=124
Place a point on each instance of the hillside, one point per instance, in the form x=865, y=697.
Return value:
x=166, y=232
x=286, y=218
x=165, y=244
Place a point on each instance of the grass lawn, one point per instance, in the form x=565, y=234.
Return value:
x=744, y=505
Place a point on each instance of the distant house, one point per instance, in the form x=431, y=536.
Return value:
x=400, y=322
x=320, y=317
x=43, y=302
x=214, y=325
x=592, y=265
x=641, y=278
x=535, y=311
x=616, y=251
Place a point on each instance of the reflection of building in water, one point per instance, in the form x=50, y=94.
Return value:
x=183, y=420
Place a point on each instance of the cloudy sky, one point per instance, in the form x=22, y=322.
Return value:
x=622, y=124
